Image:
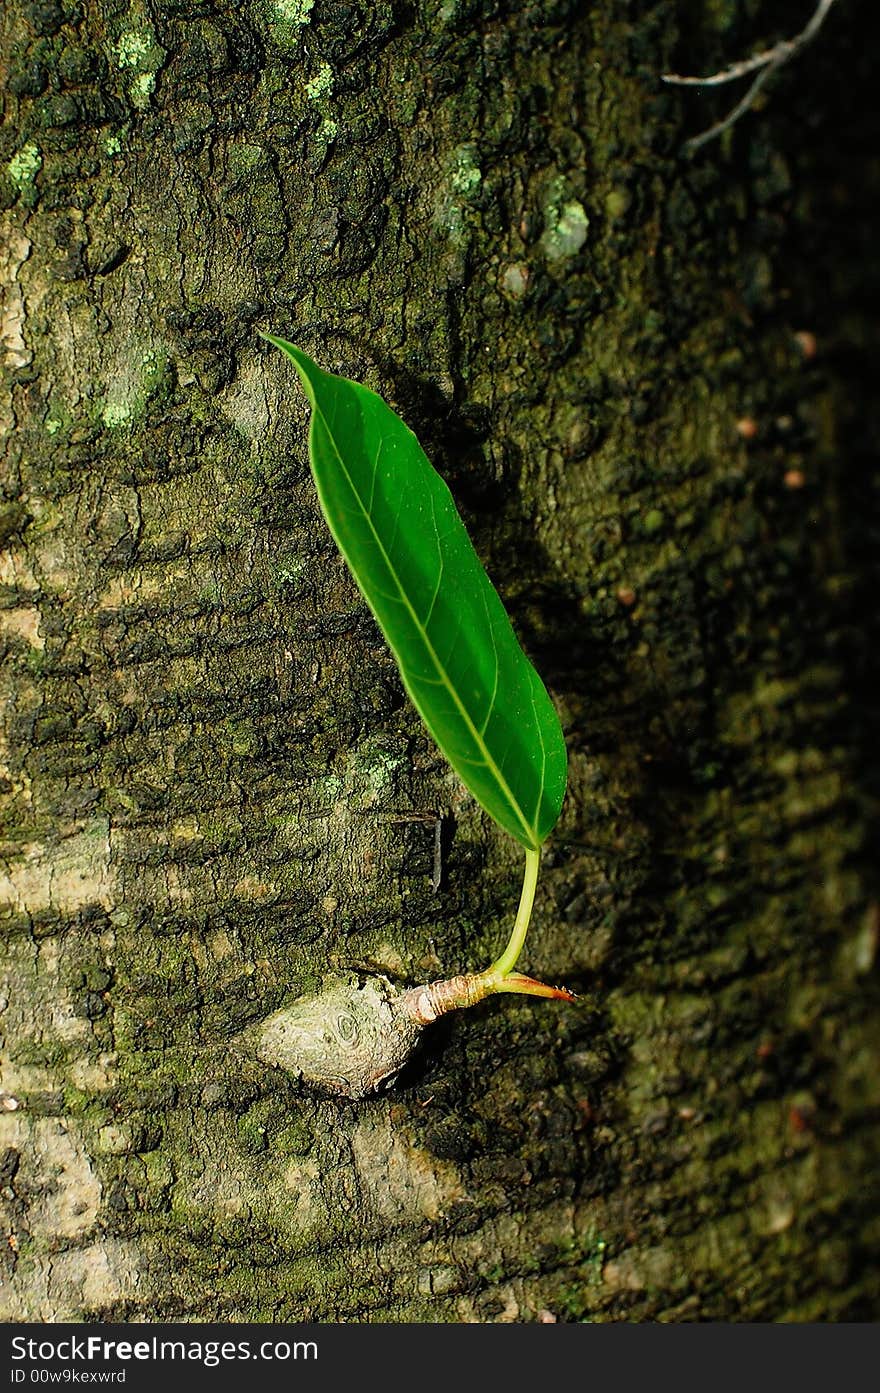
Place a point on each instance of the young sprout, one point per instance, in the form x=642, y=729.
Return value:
x=397, y=526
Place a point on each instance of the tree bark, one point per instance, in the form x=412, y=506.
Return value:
x=213, y=790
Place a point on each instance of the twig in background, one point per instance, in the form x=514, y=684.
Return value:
x=766, y=62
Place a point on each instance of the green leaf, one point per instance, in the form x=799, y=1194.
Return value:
x=397, y=526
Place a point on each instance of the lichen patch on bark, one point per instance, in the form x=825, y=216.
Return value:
x=23, y=624
x=15, y=249
x=397, y=1179
x=66, y=875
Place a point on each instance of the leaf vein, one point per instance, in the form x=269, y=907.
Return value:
x=490, y=708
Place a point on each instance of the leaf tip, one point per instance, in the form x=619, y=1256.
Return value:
x=273, y=339
x=305, y=368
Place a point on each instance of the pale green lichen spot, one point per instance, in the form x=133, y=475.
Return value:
x=25, y=165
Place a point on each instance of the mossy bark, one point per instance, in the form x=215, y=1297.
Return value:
x=213, y=790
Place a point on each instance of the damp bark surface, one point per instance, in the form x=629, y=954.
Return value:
x=646, y=380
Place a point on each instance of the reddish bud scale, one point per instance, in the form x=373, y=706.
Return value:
x=427, y=1003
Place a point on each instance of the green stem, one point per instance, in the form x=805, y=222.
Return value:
x=425, y=1004
x=507, y=962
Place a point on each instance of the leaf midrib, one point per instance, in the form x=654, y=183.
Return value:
x=475, y=733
